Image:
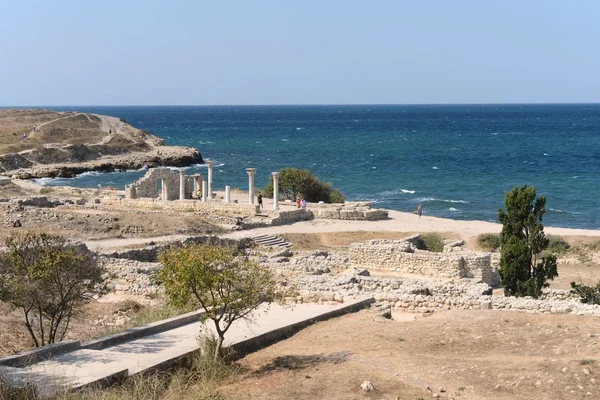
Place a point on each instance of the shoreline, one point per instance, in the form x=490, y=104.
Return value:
x=170, y=156
x=399, y=221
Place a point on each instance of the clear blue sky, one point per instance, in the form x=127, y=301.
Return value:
x=177, y=52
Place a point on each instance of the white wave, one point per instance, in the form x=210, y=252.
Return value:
x=374, y=167
x=453, y=209
x=285, y=140
x=424, y=199
x=89, y=173
x=407, y=191
x=205, y=142
x=435, y=168
x=556, y=210
x=299, y=129
x=545, y=154
x=43, y=181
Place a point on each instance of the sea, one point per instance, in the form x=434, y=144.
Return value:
x=455, y=160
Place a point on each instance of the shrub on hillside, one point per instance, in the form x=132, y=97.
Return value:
x=588, y=294
x=489, y=241
x=433, y=242
x=557, y=245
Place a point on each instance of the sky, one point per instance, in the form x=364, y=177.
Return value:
x=196, y=52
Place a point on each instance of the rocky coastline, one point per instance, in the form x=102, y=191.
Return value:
x=171, y=156
x=50, y=144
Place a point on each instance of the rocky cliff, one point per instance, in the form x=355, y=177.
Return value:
x=41, y=143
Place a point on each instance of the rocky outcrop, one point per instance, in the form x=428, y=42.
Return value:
x=41, y=143
x=174, y=157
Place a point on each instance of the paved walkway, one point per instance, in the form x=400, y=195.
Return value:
x=82, y=367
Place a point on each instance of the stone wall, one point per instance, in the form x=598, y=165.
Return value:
x=181, y=205
x=357, y=214
x=148, y=186
x=402, y=256
x=281, y=217
x=150, y=253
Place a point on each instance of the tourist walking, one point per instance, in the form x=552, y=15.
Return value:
x=298, y=202
x=419, y=210
x=259, y=198
x=303, y=204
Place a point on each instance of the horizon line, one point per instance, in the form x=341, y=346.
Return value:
x=302, y=104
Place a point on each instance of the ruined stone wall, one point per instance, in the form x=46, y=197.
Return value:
x=281, y=217
x=181, y=205
x=401, y=256
x=357, y=214
x=148, y=186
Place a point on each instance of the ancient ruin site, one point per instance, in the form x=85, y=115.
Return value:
x=386, y=305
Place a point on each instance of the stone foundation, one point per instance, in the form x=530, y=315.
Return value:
x=402, y=256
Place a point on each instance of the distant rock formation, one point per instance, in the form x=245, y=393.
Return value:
x=41, y=143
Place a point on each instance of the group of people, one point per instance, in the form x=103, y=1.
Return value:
x=300, y=203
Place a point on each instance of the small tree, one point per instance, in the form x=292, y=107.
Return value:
x=224, y=283
x=294, y=182
x=524, y=270
x=49, y=280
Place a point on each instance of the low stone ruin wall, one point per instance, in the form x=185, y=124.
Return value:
x=282, y=217
x=150, y=253
x=401, y=256
x=182, y=205
x=354, y=214
x=421, y=296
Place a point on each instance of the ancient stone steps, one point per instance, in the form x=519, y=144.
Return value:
x=271, y=241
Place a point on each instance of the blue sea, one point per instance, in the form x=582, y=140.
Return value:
x=457, y=160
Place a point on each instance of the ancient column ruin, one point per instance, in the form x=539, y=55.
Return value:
x=197, y=186
x=210, y=164
x=251, y=172
x=181, y=184
x=275, y=190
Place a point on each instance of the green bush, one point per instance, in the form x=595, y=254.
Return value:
x=431, y=242
x=294, y=182
x=588, y=294
x=557, y=245
x=489, y=241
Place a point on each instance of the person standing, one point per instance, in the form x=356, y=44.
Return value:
x=260, y=202
x=303, y=204
x=419, y=210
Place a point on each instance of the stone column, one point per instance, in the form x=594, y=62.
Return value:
x=275, y=190
x=204, y=191
x=197, y=186
x=181, y=184
x=251, y=172
x=227, y=194
x=165, y=192
x=210, y=164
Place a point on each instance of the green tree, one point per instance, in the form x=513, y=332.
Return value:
x=294, y=182
x=224, y=283
x=524, y=269
x=49, y=280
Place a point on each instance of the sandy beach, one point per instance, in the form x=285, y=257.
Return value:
x=398, y=222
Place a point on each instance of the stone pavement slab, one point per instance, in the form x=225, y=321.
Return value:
x=82, y=367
